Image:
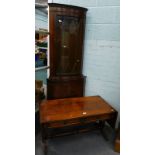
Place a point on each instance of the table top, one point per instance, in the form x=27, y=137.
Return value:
x=70, y=108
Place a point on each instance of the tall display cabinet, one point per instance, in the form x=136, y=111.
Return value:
x=66, y=42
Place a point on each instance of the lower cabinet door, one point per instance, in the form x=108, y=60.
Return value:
x=65, y=88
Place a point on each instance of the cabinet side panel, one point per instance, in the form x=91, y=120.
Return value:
x=51, y=41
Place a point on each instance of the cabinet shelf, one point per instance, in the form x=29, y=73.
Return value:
x=41, y=47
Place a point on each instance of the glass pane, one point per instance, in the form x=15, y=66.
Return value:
x=67, y=45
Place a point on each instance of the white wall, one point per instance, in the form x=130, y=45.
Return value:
x=41, y=19
x=102, y=48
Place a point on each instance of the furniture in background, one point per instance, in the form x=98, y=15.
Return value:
x=117, y=140
x=41, y=44
x=72, y=115
x=66, y=28
x=39, y=96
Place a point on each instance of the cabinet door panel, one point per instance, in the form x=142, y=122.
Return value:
x=64, y=89
x=67, y=48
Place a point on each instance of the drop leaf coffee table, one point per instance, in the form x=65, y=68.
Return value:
x=73, y=115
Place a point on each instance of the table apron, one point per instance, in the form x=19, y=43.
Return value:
x=79, y=121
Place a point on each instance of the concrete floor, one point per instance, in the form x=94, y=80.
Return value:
x=90, y=143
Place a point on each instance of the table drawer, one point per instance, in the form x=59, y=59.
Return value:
x=69, y=122
x=64, y=123
x=77, y=121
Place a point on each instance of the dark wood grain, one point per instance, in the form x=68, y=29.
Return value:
x=75, y=110
x=74, y=115
x=57, y=6
x=65, y=87
x=74, y=41
x=66, y=44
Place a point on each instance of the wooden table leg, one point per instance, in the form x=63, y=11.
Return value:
x=44, y=138
x=101, y=127
x=117, y=140
x=112, y=121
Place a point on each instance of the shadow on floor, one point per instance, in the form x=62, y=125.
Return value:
x=91, y=143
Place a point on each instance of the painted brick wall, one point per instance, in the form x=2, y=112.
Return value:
x=102, y=48
x=41, y=21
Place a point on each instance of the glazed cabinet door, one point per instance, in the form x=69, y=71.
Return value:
x=66, y=27
x=67, y=39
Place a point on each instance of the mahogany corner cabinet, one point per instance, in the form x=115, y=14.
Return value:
x=66, y=42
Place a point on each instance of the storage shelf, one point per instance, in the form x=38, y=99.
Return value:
x=41, y=68
x=41, y=47
x=41, y=32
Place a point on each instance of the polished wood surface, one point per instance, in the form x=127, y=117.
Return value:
x=66, y=27
x=74, y=115
x=66, y=42
x=73, y=108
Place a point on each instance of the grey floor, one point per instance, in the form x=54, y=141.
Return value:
x=90, y=143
